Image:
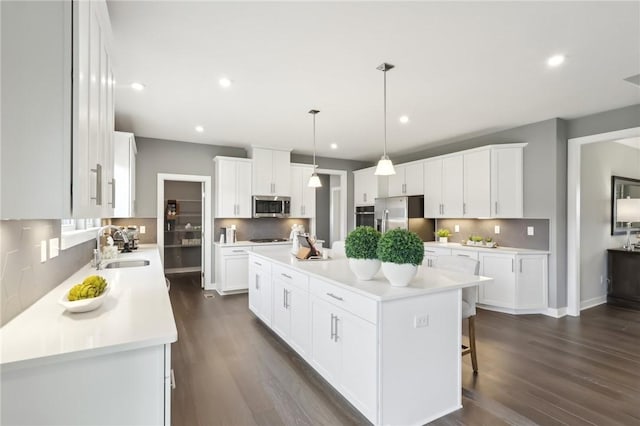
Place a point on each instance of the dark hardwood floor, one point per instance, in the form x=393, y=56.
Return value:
x=231, y=370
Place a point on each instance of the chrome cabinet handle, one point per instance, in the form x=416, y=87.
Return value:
x=284, y=298
x=464, y=208
x=257, y=263
x=512, y=267
x=257, y=282
x=238, y=251
x=520, y=265
x=496, y=203
x=364, y=197
x=113, y=193
x=429, y=251
x=333, y=333
x=335, y=297
x=464, y=255
x=98, y=172
x=285, y=275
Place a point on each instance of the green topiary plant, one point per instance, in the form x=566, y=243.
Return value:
x=401, y=246
x=443, y=233
x=362, y=243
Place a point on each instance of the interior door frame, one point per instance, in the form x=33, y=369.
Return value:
x=574, y=154
x=207, y=224
x=343, y=197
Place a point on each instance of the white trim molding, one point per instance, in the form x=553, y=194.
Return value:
x=556, y=312
x=591, y=303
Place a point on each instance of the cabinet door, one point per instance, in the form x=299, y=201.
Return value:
x=123, y=171
x=358, y=377
x=262, y=166
x=531, y=290
x=298, y=304
x=243, y=189
x=477, y=184
x=325, y=351
x=452, y=187
x=236, y=272
x=433, y=188
x=506, y=182
x=255, y=290
x=396, y=182
x=281, y=321
x=93, y=208
x=365, y=187
x=308, y=194
x=266, y=293
x=226, y=178
x=500, y=292
x=281, y=176
x=106, y=133
x=414, y=179
x=297, y=197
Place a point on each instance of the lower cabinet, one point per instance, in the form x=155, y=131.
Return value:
x=291, y=308
x=520, y=281
x=232, y=269
x=623, y=278
x=260, y=292
x=123, y=388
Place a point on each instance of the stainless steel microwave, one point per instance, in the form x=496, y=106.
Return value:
x=271, y=206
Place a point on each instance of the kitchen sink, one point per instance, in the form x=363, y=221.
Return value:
x=127, y=264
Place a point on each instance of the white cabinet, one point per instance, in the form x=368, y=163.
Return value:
x=477, y=184
x=408, y=180
x=233, y=187
x=507, y=191
x=271, y=172
x=232, y=269
x=124, y=173
x=291, y=308
x=366, y=186
x=431, y=255
x=443, y=187
x=260, y=292
x=62, y=129
x=100, y=389
x=303, y=198
x=520, y=281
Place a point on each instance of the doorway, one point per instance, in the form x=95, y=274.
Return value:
x=183, y=224
x=330, y=224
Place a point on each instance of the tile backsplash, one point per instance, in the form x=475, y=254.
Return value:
x=258, y=228
x=150, y=224
x=513, y=232
x=23, y=278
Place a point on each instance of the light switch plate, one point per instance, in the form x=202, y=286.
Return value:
x=529, y=230
x=54, y=247
x=456, y=228
x=143, y=229
x=496, y=229
x=420, y=321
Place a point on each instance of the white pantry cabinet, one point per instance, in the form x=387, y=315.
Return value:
x=303, y=198
x=233, y=187
x=124, y=172
x=271, y=172
x=408, y=180
x=232, y=268
x=366, y=186
x=57, y=110
x=507, y=183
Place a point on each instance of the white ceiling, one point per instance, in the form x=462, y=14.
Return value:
x=462, y=68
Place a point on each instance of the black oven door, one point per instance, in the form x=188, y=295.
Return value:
x=365, y=216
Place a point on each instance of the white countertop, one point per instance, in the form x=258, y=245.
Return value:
x=499, y=249
x=251, y=243
x=136, y=313
x=337, y=271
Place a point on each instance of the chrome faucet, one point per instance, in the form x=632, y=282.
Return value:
x=97, y=254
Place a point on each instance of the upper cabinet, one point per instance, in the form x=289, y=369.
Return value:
x=303, y=197
x=366, y=186
x=476, y=184
x=443, y=184
x=408, y=180
x=507, y=182
x=61, y=132
x=271, y=172
x=233, y=188
x=124, y=172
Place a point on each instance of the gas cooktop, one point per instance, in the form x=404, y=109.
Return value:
x=269, y=240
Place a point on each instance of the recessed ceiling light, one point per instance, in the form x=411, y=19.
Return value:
x=334, y=146
x=199, y=129
x=225, y=82
x=404, y=119
x=137, y=86
x=555, y=60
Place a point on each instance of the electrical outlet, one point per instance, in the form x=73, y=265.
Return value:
x=530, y=230
x=456, y=228
x=54, y=247
x=420, y=321
x=143, y=229
x=43, y=251
x=496, y=229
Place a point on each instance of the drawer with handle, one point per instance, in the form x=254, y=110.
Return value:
x=290, y=276
x=354, y=303
x=260, y=264
x=235, y=251
x=472, y=254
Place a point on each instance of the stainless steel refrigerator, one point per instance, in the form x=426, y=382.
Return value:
x=405, y=213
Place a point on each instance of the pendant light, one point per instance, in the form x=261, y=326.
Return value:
x=385, y=166
x=314, y=180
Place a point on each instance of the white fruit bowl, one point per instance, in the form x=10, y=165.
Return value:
x=83, y=305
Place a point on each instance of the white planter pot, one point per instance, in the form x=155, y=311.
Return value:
x=399, y=275
x=364, y=269
x=443, y=239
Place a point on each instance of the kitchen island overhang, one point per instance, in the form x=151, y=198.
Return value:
x=392, y=352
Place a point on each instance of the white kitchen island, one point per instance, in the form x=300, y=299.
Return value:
x=393, y=352
x=110, y=366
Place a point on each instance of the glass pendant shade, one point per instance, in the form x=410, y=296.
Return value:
x=385, y=167
x=314, y=181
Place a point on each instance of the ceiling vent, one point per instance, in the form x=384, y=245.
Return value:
x=634, y=79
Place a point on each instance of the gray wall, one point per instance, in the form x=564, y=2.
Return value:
x=545, y=185
x=607, y=121
x=323, y=210
x=24, y=279
x=598, y=163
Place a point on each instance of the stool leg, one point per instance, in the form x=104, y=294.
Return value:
x=472, y=343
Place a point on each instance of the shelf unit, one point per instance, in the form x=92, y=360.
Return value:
x=183, y=236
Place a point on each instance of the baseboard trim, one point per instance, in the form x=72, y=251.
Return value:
x=590, y=303
x=556, y=312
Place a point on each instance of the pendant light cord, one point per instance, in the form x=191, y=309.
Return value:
x=385, y=112
x=314, y=143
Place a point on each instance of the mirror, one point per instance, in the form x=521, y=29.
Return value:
x=622, y=187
